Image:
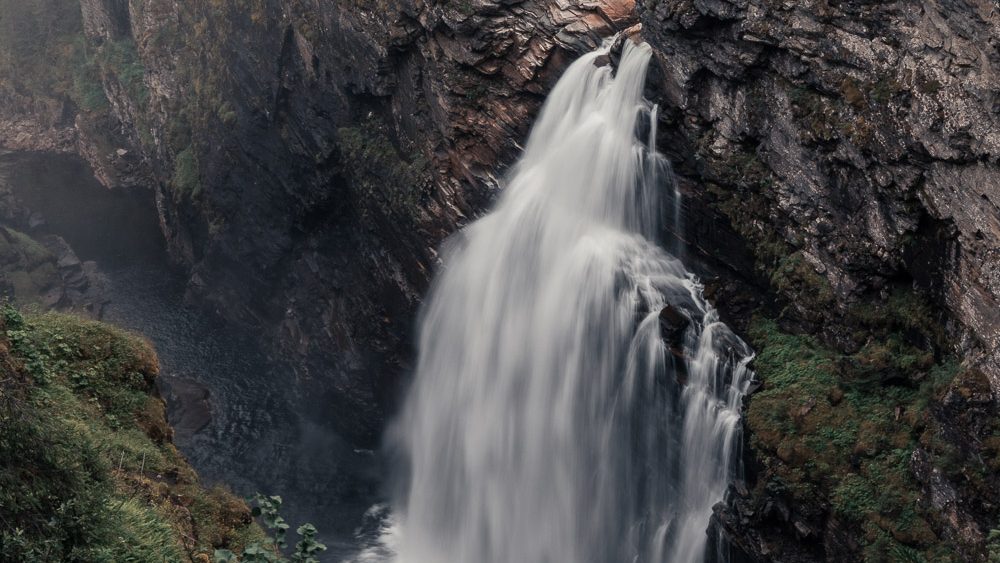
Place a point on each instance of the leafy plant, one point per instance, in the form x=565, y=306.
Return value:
x=267, y=509
x=993, y=546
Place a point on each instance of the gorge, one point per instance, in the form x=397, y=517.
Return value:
x=834, y=191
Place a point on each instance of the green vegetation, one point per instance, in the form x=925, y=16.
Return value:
x=828, y=426
x=267, y=509
x=121, y=60
x=818, y=113
x=797, y=280
x=187, y=176
x=87, y=469
x=385, y=183
x=27, y=269
x=464, y=7
x=994, y=546
x=44, y=54
x=777, y=261
x=41, y=48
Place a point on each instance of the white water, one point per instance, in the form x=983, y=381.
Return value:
x=549, y=422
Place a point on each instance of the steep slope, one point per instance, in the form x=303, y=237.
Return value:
x=88, y=471
x=859, y=140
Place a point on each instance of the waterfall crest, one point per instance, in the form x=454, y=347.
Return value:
x=576, y=399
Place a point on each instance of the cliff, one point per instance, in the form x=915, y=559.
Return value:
x=837, y=161
x=307, y=159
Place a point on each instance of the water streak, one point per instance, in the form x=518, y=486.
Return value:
x=576, y=399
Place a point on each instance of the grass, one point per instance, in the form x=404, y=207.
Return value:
x=87, y=469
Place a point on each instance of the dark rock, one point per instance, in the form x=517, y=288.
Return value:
x=190, y=404
x=841, y=135
x=673, y=325
x=284, y=223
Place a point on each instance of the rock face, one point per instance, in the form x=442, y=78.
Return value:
x=858, y=139
x=309, y=157
x=40, y=268
x=832, y=157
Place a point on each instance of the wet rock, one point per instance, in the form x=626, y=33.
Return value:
x=190, y=404
x=35, y=221
x=444, y=91
x=673, y=325
x=843, y=134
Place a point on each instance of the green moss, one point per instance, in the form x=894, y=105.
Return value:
x=465, y=7
x=817, y=113
x=227, y=114
x=44, y=53
x=120, y=59
x=85, y=452
x=994, y=545
x=32, y=252
x=187, y=175
x=796, y=279
x=39, y=47
x=827, y=429
x=88, y=91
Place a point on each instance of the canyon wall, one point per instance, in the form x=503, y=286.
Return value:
x=861, y=138
x=840, y=159
x=838, y=163
x=308, y=157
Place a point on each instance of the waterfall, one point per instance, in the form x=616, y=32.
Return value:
x=576, y=399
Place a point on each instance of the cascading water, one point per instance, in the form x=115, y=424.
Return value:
x=576, y=399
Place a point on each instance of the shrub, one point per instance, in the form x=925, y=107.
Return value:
x=269, y=551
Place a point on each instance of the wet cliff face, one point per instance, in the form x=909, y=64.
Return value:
x=839, y=161
x=308, y=156
x=859, y=138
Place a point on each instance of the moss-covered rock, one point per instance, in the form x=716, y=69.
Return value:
x=27, y=269
x=862, y=451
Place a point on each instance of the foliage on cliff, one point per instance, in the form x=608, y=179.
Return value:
x=267, y=509
x=858, y=442
x=40, y=40
x=87, y=468
x=27, y=269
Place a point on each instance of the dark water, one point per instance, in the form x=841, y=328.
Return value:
x=256, y=440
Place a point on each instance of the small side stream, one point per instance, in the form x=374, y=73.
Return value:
x=233, y=408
